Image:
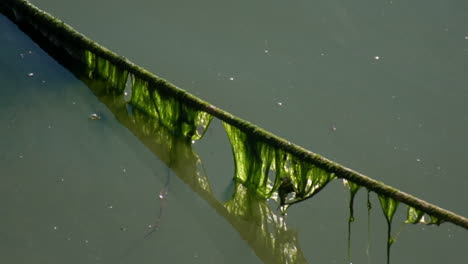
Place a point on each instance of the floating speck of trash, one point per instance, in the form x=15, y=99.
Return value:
x=418, y=159
x=280, y=103
x=31, y=74
x=123, y=229
x=94, y=116
x=333, y=128
x=55, y=227
x=124, y=170
x=73, y=103
x=86, y=241
x=110, y=206
x=231, y=78
x=376, y=58
x=20, y=156
x=466, y=37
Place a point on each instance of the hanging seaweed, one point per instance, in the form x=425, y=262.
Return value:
x=294, y=180
x=369, y=207
x=389, y=207
x=264, y=163
x=353, y=189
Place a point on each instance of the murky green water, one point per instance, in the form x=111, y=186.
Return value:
x=379, y=87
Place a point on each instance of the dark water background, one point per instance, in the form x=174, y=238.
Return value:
x=380, y=87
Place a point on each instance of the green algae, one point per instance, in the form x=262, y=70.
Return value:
x=414, y=215
x=100, y=68
x=389, y=207
x=353, y=189
x=265, y=164
x=273, y=172
x=369, y=208
x=189, y=116
x=147, y=96
x=174, y=114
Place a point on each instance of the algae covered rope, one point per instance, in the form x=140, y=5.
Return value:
x=116, y=70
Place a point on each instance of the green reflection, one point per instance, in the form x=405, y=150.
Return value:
x=264, y=231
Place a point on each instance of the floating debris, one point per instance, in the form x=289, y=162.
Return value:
x=94, y=116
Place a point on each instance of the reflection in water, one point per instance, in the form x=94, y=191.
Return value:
x=172, y=148
x=268, y=232
x=265, y=231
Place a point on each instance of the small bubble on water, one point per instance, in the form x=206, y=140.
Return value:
x=466, y=37
x=31, y=74
x=376, y=58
